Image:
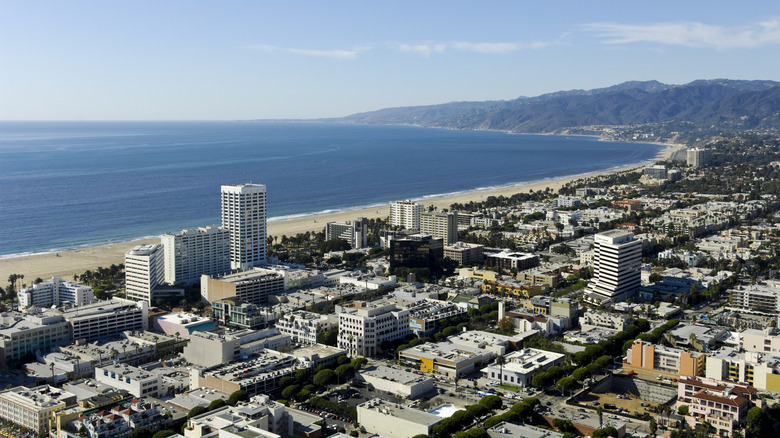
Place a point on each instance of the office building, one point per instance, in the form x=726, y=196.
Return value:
x=405, y=214
x=657, y=171
x=364, y=326
x=521, y=365
x=305, y=327
x=445, y=358
x=465, y=253
x=234, y=312
x=144, y=271
x=258, y=375
x=416, y=251
x=399, y=382
x=24, y=335
x=34, y=408
x=354, y=232
x=251, y=286
x=651, y=360
x=244, y=215
x=616, y=262
x=440, y=225
x=134, y=380
x=55, y=292
x=511, y=260
x=697, y=157
x=194, y=252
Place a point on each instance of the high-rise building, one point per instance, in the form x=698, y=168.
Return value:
x=144, y=270
x=356, y=233
x=440, y=225
x=195, y=252
x=616, y=261
x=697, y=157
x=405, y=214
x=244, y=215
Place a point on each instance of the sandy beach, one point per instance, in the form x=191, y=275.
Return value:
x=67, y=263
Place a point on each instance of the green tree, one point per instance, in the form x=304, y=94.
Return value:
x=566, y=384
x=324, y=377
x=197, y=410
x=758, y=422
x=290, y=391
x=216, y=404
x=343, y=371
x=237, y=396
x=653, y=426
x=141, y=432
x=600, y=413
x=506, y=325
x=562, y=425
x=501, y=361
x=683, y=410
x=164, y=433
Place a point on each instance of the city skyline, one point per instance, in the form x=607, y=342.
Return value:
x=244, y=60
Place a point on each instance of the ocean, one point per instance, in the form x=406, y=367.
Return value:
x=65, y=185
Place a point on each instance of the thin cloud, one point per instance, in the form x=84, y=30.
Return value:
x=690, y=34
x=428, y=49
x=333, y=54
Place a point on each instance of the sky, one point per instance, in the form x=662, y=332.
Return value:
x=229, y=60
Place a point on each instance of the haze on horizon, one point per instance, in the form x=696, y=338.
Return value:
x=180, y=60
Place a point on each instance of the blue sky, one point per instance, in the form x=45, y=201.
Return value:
x=207, y=60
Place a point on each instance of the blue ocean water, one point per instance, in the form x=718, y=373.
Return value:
x=70, y=184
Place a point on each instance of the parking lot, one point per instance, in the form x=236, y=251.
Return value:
x=632, y=403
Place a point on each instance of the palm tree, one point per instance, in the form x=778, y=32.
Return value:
x=600, y=413
x=51, y=366
x=500, y=361
x=114, y=354
x=124, y=348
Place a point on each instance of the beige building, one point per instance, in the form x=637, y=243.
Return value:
x=304, y=327
x=392, y=420
x=465, y=253
x=650, y=360
x=365, y=325
x=34, y=408
x=405, y=214
x=144, y=270
x=253, y=286
x=244, y=215
x=440, y=225
x=194, y=252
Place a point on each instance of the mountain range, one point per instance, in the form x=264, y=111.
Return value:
x=703, y=103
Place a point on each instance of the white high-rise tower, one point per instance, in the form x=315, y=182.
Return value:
x=244, y=215
x=616, y=263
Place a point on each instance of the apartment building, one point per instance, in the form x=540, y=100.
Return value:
x=193, y=252
x=235, y=312
x=305, y=327
x=55, y=292
x=406, y=214
x=365, y=325
x=724, y=405
x=425, y=316
x=761, y=341
x=440, y=225
x=649, y=360
x=759, y=370
x=697, y=157
x=608, y=320
x=761, y=297
x=34, y=408
x=254, y=418
x=511, y=260
x=244, y=215
x=355, y=232
x=521, y=365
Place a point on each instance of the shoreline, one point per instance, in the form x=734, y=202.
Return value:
x=75, y=261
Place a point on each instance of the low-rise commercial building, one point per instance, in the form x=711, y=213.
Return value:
x=511, y=260
x=182, y=324
x=131, y=379
x=399, y=382
x=521, y=365
x=445, y=358
x=760, y=370
x=208, y=349
x=392, y=420
x=34, y=408
x=107, y=318
x=24, y=335
x=234, y=312
x=259, y=375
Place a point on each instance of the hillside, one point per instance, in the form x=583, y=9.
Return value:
x=720, y=102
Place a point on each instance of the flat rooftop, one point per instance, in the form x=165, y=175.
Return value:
x=400, y=411
x=394, y=375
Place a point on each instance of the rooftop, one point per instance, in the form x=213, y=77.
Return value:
x=400, y=411
x=393, y=375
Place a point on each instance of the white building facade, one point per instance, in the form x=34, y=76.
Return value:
x=405, y=214
x=144, y=270
x=54, y=293
x=616, y=262
x=195, y=252
x=440, y=225
x=363, y=329
x=244, y=215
